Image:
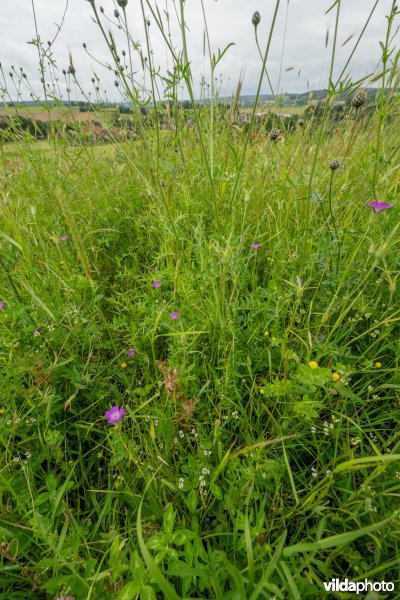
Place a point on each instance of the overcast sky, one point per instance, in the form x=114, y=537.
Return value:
x=303, y=45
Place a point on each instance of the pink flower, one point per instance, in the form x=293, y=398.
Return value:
x=131, y=353
x=156, y=284
x=2, y=304
x=174, y=315
x=378, y=206
x=256, y=246
x=114, y=414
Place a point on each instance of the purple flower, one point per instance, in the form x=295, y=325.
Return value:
x=320, y=336
x=156, y=284
x=37, y=331
x=66, y=598
x=174, y=315
x=114, y=414
x=63, y=238
x=378, y=206
x=300, y=279
x=2, y=304
x=256, y=246
x=131, y=353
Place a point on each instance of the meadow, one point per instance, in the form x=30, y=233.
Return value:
x=200, y=350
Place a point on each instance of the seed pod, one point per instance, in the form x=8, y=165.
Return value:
x=116, y=14
x=256, y=18
x=122, y=3
x=335, y=164
x=274, y=134
x=359, y=99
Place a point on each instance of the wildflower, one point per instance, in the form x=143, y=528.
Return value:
x=123, y=365
x=254, y=136
x=66, y=597
x=37, y=332
x=114, y=414
x=336, y=377
x=262, y=391
x=63, y=238
x=313, y=364
x=181, y=482
x=378, y=365
x=174, y=315
x=131, y=353
x=256, y=246
x=320, y=336
x=370, y=388
x=378, y=206
x=266, y=333
x=156, y=284
x=2, y=304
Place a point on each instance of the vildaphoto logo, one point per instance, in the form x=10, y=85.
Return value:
x=336, y=585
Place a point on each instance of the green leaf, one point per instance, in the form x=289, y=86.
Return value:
x=191, y=501
x=216, y=491
x=130, y=591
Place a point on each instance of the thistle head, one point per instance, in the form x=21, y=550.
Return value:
x=274, y=134
x=359, y=99
x=256, y=18
x=335, y=164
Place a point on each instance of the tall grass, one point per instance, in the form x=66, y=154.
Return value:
x=258, y=453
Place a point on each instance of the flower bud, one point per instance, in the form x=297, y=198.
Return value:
x=256, y=18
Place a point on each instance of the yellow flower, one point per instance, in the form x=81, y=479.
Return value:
x=2, y=411
x=124, y=365
x=262, y=391
x=378, y=365
x=266, y=333
x=335, y=376
x=313, y=364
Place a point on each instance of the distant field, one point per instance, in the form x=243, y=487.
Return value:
x=54, y=114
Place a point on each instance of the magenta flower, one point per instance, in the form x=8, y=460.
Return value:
x=156, y=284
x=2, y=304
x=114, y=414
x=131, y=353
x=378, y=206
x=256, y=246
x=63, y=238
x=174, y=315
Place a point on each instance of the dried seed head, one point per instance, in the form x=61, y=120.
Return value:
x=301, y=122
x=71, y=70
x=256, y=18
x=116, y=14
x=359, y=99
x=274, y=134
x=335, y=164
x=122, y=3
